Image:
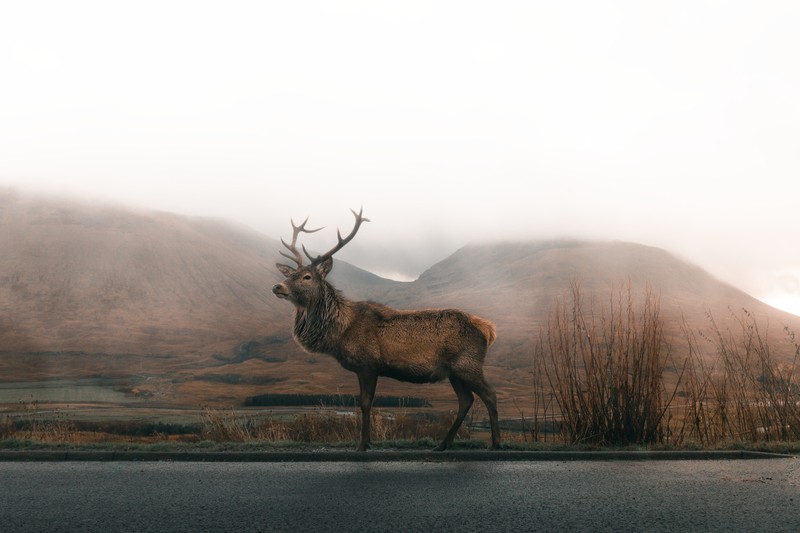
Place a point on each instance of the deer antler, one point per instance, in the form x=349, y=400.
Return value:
x=296, y=230
x=342, y=242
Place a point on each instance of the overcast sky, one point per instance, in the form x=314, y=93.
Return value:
x=674, y=124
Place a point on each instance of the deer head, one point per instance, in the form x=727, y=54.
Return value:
x=303, y=282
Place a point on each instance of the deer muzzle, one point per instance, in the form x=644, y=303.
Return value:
x=280, y=291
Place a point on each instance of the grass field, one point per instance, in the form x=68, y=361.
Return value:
x=64, y=392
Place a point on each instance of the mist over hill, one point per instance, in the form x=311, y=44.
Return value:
x=104, y=291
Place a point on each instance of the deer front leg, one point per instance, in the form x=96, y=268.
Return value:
x=366, y=383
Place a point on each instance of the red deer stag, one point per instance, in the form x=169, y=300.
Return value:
x=374, y=340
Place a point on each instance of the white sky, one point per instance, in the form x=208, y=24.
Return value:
x=674, y=124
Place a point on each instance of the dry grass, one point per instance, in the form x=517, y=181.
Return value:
x=32, y=424
x=323, y=426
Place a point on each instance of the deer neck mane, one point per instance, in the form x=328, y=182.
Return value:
x=319, y=326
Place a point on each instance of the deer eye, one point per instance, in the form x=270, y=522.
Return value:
x=307, y=277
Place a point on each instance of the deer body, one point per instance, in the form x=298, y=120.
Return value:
x=372, y=340
x=414, y=346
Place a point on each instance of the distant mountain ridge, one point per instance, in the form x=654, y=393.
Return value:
x=88, y=290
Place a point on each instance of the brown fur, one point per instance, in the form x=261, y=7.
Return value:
x=374, y=340
x=487, y=328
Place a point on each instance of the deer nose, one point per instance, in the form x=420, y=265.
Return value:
x=280, y=291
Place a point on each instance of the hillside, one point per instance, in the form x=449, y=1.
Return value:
x=141, y=297
x=180, y=309
x=516, y=284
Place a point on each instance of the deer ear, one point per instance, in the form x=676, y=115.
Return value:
x=325, y=267
x=286, y=270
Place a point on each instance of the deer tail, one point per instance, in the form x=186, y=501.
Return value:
x=486, y=328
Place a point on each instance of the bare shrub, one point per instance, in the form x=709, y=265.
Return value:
x=748, y=392
x=605, y=368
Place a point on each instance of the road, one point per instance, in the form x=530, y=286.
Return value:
x=696, y=495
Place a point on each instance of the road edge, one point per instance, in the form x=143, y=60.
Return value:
x=381, y=456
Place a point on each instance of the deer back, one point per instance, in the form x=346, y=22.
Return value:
x=413, y=345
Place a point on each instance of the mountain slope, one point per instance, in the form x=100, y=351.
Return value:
x=516, y=285
x=118, y=280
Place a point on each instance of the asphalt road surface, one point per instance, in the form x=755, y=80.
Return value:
x=698, y=495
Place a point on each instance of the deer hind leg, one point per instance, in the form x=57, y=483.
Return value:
x=465, y=399
x=366, y=385
x=489, y=397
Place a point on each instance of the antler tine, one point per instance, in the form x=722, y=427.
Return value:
x=297, y=230
x=342, y=241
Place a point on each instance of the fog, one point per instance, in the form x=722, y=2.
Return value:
x=669, y=124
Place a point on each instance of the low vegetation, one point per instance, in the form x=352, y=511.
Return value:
x=32, y=428
x=30, y=424
x=321, y=426
x=747, y=393
x=607, y=375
